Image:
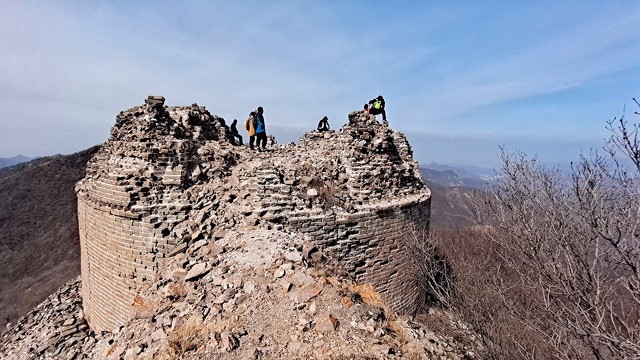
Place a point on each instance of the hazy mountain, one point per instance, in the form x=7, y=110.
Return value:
x=39, y=246
x=5, y=162
x=458, y=175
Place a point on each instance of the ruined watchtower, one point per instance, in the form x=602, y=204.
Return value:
x=169, y=176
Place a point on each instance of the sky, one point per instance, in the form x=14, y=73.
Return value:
x=460, y=78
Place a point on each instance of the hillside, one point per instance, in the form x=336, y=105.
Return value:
x=459, y=175
x=39, y=248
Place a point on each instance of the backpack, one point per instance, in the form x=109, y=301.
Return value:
x=377, y=105
x=250, y=125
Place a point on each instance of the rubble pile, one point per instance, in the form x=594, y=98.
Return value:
x=261, y=294
x=54, y=329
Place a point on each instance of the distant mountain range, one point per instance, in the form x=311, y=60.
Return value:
x=6, y=162
x=449, y=175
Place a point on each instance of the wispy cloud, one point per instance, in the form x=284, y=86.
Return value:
x=566, y=58
x=442, y=67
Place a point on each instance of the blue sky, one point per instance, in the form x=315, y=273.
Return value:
x=460, y=78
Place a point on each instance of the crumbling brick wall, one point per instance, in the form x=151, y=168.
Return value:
x=169, y=176
x=369, y=245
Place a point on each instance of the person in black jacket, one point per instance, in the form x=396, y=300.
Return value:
x=323, y=125
x=376, y=106
x=234, y=132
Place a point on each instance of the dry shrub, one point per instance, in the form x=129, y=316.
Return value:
x=328, y=193
x=482, y=283
x=432, y=270
x=443, y=323
x=553, y=270
x=189, y=336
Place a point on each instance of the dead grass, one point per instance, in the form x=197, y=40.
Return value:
x=368, y=295
x=192, y=336
x=224, y=325
x=414, y=351
x=187, y=337
x=394, y=326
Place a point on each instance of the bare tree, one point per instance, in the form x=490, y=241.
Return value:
x=571, y=250
x=433, y=272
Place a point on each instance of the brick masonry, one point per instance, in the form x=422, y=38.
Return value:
x=169, y=176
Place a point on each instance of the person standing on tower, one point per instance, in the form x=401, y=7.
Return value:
x=250, y=126
x=261, y=130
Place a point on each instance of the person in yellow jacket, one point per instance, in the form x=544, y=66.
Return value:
x=250, y=126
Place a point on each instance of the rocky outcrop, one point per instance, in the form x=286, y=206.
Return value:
x=169, y=177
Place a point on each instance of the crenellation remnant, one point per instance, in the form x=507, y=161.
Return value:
x=169, y=177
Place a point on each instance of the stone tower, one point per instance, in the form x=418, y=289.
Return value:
x=354, y=192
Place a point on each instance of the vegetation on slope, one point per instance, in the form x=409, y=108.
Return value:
x=39, y=247
x=552, y=267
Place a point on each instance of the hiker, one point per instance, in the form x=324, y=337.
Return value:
x=323, y=125
x=376, y=106
x=234, y=132
x=250, y=126
x=261, y=130
x=366, y=108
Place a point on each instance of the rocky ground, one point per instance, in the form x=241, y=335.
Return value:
x=258, y=294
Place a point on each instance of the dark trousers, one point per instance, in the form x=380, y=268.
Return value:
x=252, y=139
x=374, y=111
x=262, y=140
x=237, y=136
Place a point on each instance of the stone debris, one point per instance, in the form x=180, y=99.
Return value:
x=236, y=310
x=55, y=329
